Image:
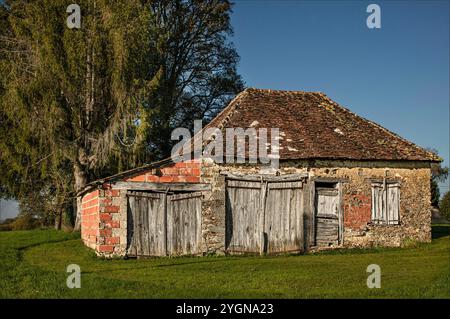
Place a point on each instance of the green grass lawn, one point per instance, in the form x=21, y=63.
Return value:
x=33, y=265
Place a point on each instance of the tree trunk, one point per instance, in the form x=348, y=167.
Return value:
x=58, y=220
x=79, y=173
x=80, y=183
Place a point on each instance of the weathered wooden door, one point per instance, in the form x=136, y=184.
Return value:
x=184, y=233
x=284, y=217
x=161, y=224
x=264, y=216
x=146, y=224
x=327, y=216
x=243, y=230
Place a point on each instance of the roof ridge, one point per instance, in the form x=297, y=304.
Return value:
x=230, y=108
x=228, y=111
x=279, y=91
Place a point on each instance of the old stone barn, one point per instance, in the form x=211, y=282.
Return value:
x=342, y=181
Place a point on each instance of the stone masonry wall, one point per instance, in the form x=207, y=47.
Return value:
x=213, y=208
x=415, y=200
x=415, y=204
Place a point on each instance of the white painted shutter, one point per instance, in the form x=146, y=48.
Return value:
x=377, y=204
x=393, y=204
x=386, y=203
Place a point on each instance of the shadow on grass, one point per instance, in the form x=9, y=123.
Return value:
x=199, y=260
x=438, y=231
x=134, y=267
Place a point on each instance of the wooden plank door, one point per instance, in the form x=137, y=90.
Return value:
x=327, y=216
x=284, y=217
x=243, y=211
x=184, y=231
x=146, y=224
x=264, y=217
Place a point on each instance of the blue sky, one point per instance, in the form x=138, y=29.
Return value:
x=397, y=76
x=8, y=209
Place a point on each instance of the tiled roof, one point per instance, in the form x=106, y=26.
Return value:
x=312, y=126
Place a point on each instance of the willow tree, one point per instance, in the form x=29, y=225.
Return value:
x=76, y=92
x=76, y=104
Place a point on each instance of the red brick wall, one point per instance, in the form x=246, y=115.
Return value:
x=357, y=211
x=90, y=218
x=109, y=221
x=188, y=172
x=101, y=226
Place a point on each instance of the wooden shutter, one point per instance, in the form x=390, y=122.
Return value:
x=386, y=203
x=377, y=204
x=393, y=204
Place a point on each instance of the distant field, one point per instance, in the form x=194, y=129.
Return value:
x=33, y=265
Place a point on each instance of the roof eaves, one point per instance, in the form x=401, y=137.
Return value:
x=128, y=173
